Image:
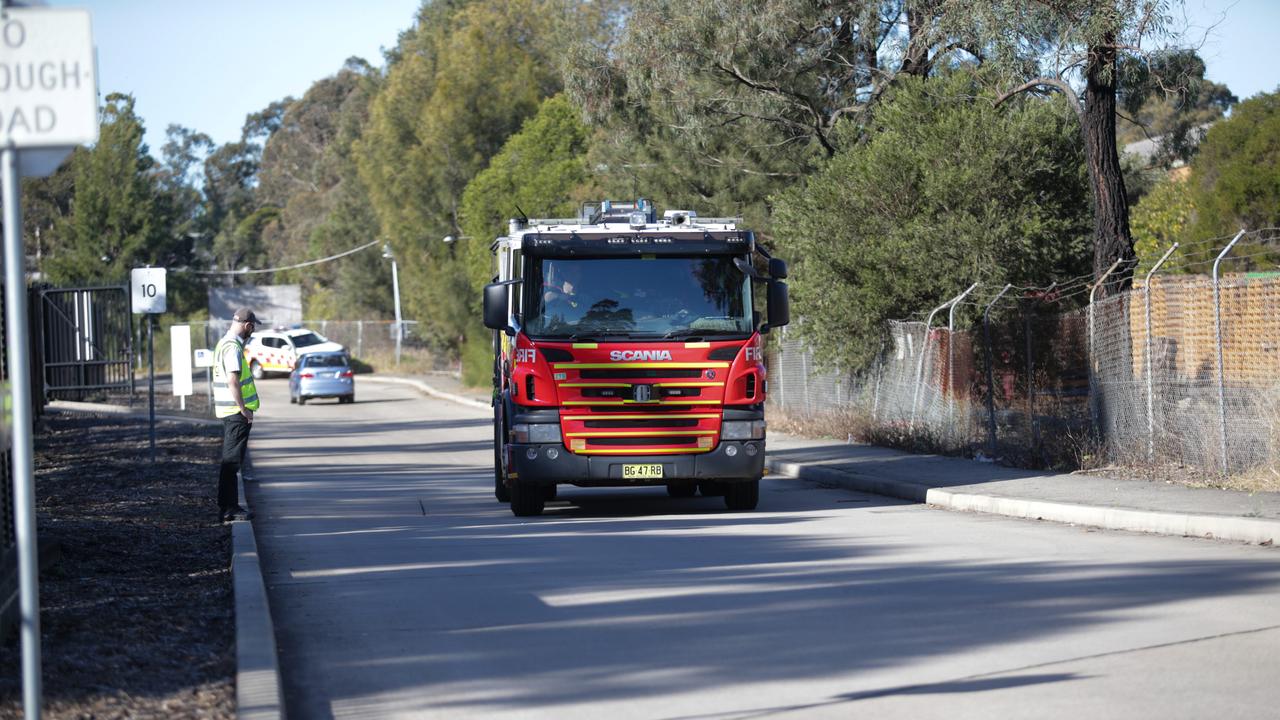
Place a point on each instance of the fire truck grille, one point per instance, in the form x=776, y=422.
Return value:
x=588, y=374
x=660, y=423
x=642, y=441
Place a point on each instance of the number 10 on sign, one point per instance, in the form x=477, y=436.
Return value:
x=148, y=290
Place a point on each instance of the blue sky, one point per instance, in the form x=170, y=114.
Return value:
x=207, y=65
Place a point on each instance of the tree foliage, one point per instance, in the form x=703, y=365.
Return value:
x=1167, y=97
x=112, y=225
x=1236, y=176
x=309, y=172
x=717, y=104
x=464, y=80
x=943, y=194
x=1048, y=46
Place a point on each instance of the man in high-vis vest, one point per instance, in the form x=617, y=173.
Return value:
x=235, y=400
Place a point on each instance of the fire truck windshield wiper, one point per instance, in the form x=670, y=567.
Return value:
x=684, y=334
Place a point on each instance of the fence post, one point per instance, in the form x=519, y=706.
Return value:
x=924, y=348
x=360, y=338
x=951, y=357
x=1217, y=336
x=782, y=351
x=1031, y=371
x=1093, y=379
x=804, y=377
x=991, y=382
x=1151, y=422
x=875, y=398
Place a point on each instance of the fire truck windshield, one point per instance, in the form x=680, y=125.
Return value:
x=658, y=297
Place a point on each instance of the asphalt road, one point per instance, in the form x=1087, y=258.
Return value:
x=401, y=588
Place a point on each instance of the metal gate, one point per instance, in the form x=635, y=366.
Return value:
x=87, y=338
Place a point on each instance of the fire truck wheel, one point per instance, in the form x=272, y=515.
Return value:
x=682, y=490
x=527, y=500
x=256, y=369
x=711, y=488
x=500, y=489
x=742, y=495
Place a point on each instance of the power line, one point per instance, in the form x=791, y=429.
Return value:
x=352, y=251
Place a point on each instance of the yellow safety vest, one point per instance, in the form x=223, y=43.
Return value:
x=224, y=403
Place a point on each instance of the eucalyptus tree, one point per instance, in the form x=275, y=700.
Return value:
x=461, y=81
x=716, y=104
x=1073, y=47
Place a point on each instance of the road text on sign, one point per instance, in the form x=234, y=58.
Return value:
x=148, y=290
x=48, y=81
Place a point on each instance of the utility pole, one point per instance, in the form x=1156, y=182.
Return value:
x=395, y=289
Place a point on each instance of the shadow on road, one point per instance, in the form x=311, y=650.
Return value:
x=397, y=554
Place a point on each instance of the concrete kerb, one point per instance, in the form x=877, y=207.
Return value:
x=1239, y=529
x=258, y=688
x=469, y=402
x=259, y=693
x=70, y=406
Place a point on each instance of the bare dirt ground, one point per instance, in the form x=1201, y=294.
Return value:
x=137, y=614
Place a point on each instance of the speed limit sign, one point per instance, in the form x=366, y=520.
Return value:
x=148, y=290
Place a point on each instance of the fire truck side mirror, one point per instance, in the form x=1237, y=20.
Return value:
x=777, y=268
x=495, y=306
x=779, y=304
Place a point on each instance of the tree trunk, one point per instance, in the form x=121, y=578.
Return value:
x=1111, y=238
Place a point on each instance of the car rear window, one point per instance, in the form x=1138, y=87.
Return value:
x=326, y=361
x=306, y=339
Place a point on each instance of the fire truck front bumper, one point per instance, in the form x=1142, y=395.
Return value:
x=551, y=464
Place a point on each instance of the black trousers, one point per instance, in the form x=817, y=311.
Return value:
x=235, y=440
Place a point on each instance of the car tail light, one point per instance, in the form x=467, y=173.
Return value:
x=306, y=376
x=347, y=373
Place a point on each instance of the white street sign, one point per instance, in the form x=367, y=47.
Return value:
x=180, y=362
x=48, y=78
x=148, y=290
x=204, y=357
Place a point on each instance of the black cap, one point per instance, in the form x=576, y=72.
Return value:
x=244, y=315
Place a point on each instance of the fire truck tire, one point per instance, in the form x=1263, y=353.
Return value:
x=500, y=489
x=256, y=369
x=682, y=490
x=527, y=500
x=742, y=495
x=711, y=488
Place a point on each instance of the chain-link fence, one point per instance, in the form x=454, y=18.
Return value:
x=1182, y=370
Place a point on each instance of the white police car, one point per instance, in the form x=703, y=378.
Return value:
x=277, y=351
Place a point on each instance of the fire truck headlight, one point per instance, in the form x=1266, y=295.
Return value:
x=742, y=430
x=535, y=433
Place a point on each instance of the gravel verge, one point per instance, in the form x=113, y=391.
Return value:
x=137, y=613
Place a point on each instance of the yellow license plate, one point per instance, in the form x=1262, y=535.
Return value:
x=642, y=472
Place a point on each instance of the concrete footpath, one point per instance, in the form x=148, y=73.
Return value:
x=961, y=484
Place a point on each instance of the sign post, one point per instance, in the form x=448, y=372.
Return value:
x=180, y=361
x=48, y=105
x=148, y=290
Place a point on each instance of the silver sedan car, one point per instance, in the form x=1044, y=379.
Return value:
x=318, y=375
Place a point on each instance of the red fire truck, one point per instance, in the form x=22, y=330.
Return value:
x=628, y=351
